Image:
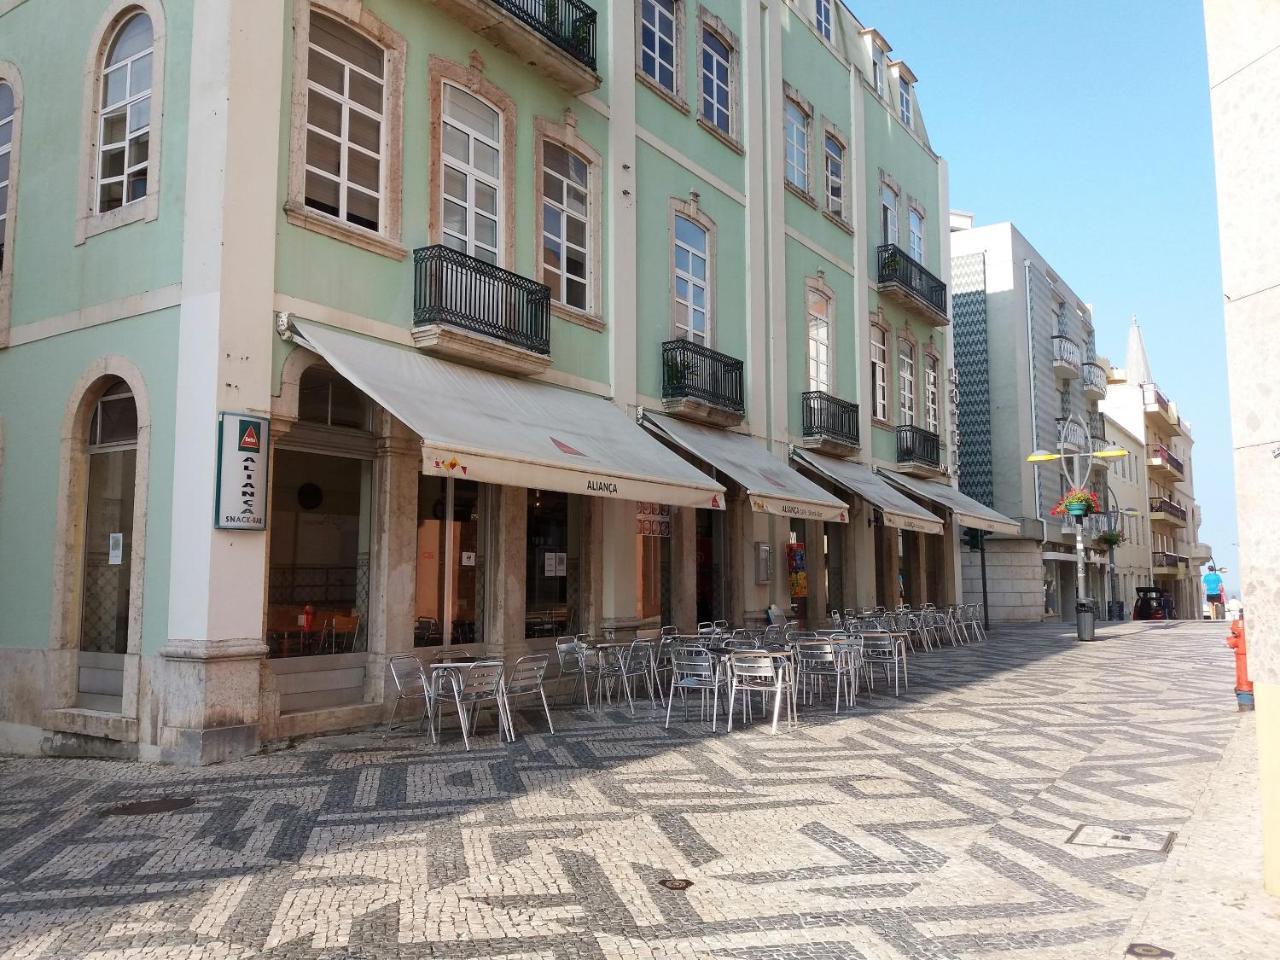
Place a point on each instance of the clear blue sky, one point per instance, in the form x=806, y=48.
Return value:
x=1087, y=124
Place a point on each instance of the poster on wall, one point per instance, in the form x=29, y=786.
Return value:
x=241, y=491
x=796, y=571
x=653, y=519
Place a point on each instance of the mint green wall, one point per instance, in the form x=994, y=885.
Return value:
x=658, y=180
x=891, y=148
x=339, y=275
x=52, y=275
x=36, y=384
x=802, y=264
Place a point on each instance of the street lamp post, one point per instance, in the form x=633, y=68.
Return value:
x=1076, y=467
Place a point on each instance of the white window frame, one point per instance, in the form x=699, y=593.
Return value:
x=684, y=306
x=663, y=18
x=904, y=101
x=915, y=238
x=877, y=68
x=888, y=214
x=906, y=382
x=9, y=152
x=585, y=249
x=710, y=78
x=346, y=146
x=818, y=331
x=475, y=176
x=796, y=144
x=822, y=18
x=880, y=372
x=835, y=204
x=931, y=412
x=124, y=105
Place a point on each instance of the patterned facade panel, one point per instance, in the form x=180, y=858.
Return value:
x=969, y=329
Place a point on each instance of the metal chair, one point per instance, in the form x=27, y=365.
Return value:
x=571, y=658
x=818, y=662
x=625, y=665
x=850, y=650
x=411, y=684
x=755, y=672
x=693, y=668
x=524, y=679
x=473, y=685
x=886, y=651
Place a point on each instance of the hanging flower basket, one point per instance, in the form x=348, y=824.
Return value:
x=1077, y=503
x=1109, y=538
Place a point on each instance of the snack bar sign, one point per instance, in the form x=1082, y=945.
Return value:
x=241, y=502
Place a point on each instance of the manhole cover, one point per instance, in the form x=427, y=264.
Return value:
x=675, y=883
x=1147, y=950
x=1093, y=835
x=140, y=808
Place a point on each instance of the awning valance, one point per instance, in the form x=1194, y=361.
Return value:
x=771, y=485
x=860, y=480
x=968, y=511
x=490, y=428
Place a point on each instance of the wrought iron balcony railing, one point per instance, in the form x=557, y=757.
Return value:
x=1072, y=434
x=695, y=371
x=1160, y=452
x=1162, y=558
x=1098, y=428
x=462, y=291
x=1066, y=350
x=569, y=24
x=1166, y=506
x=896, y=267
x=828, y=416
x=918, y=445
x=1095, y=378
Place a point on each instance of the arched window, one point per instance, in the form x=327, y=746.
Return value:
x=330, y=400
x=692, y=281
x=108, y=537
x=124, y=115
x=472, y=147
x=8, y=124
x=906, y=383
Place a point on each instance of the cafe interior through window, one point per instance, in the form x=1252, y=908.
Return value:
x=449, y=593
x=553, y=563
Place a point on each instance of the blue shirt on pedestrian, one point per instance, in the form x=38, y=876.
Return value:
x=1212, y=583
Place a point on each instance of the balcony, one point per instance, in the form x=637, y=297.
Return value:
x=555, y=37
x=830, y=424
x=468, y=310
x=1159, y=411
x=1098, y=429
x=1094, y=384
x=1164, y=510
x=701, y=384
x=1201, y=553
x=919, y=451
x=1071, y=434
x=1163, y=465
x=1066, y=358
x=900, y=277
x=1168, y=564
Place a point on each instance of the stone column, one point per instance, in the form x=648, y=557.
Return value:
x=917, y=568
x=816, y=565
x=860, y=557
x=684, y=568
x=210, y=680
x=618, y=563
x=505, y=592
x=952, y=590
x=739, y=548
x=887, y=569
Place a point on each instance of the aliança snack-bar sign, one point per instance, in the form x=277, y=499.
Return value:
x=241, y=497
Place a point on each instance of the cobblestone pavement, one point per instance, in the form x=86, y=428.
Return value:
x=934, y=825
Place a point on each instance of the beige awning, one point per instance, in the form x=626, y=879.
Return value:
x=490, y=428
x=968, y=511
x=771, y=485
x=861, y=481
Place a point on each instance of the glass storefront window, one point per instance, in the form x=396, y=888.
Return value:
x=318, y=583
x=653, y=561
x=798, y=572
x=553, y=563
x=450, y=568
x=833, y=542
x=709, y=537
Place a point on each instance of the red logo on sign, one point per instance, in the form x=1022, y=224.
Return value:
x=565, y=448
x=715, y=500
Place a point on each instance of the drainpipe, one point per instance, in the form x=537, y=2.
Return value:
x=1031, y=372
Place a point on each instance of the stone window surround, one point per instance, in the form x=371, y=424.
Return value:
x=914, y=205
x=471, y=79
x=64, y=620
x=829, y=129
x=878, y=322
x=708, y=21
x=818, y=284
x=566, y=135
x=677, y=97
x=690, y=210
x=10, y=74
x=888, y=180
x=387, y=241
x=88, y=222
x=791, y=93
x=930, y=352
x=904, y=338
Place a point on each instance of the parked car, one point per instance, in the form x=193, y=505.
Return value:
x=1152, y=604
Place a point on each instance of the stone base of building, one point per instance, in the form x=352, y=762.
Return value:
x=1266, y=697
x=1015, y=580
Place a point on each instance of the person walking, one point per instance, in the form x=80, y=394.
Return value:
x=1212, y=581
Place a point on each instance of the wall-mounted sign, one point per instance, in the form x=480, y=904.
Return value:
x=241, y=492
x=653, y=519
x=115, y=549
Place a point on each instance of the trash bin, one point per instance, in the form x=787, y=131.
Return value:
x=1084, y=619
x=1115, y=609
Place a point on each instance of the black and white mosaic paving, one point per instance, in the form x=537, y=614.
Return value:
x=934, y=825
